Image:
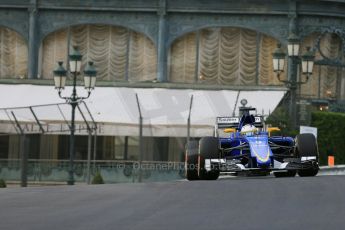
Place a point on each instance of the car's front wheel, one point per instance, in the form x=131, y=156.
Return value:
x=208, y=149
x=306, y=146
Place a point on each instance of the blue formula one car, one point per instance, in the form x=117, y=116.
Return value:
x=248, y=148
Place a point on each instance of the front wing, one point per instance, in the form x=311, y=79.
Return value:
x=224, y=165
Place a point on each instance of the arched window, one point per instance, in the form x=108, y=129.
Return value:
x=119, y=54
x=13, y=54
x=227, y=56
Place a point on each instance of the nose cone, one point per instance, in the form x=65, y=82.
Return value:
x=260, y=149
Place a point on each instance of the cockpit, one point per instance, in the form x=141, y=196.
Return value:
x=248, y=130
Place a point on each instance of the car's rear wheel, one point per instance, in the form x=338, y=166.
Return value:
x=306, y=146
x=208, y=149
x=289, y=173
x=191, y=160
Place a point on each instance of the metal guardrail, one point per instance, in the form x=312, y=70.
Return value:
x=112, y=171
x=334, y=170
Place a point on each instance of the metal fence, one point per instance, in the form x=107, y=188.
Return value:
x=25, y=121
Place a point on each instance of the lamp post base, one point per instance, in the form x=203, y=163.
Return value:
x=70, y=180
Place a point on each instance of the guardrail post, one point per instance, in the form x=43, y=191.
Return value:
x=23, y=161
x=140, y=139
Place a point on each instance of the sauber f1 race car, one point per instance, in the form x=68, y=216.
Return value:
x=248, y=148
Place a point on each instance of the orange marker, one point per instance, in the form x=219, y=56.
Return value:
x=331, y=161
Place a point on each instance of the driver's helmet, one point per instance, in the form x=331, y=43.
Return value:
x=248, y=130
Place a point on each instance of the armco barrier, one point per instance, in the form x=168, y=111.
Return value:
x=112, y=171
x=334, y=170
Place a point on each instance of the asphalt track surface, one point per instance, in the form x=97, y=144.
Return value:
x=240, y=203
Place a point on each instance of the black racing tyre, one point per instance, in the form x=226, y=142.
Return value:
x=289, y=173
x=306, y=145
x=191, y=160
x=208, y=149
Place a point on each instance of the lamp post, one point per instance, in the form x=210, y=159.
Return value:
x=307, y=63
x=243, y=102
x=60, y=74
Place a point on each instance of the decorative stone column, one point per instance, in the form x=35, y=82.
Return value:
x=342, y=87
x=33, y=43
x=162, y=53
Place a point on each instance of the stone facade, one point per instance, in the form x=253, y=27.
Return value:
x=164, y=21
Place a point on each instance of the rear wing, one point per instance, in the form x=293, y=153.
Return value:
x=233, y=122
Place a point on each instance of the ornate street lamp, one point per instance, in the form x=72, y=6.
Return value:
x=89, y=82
x=278, y=61
x=306, y=61
x=293, y=45
x=60, y=77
